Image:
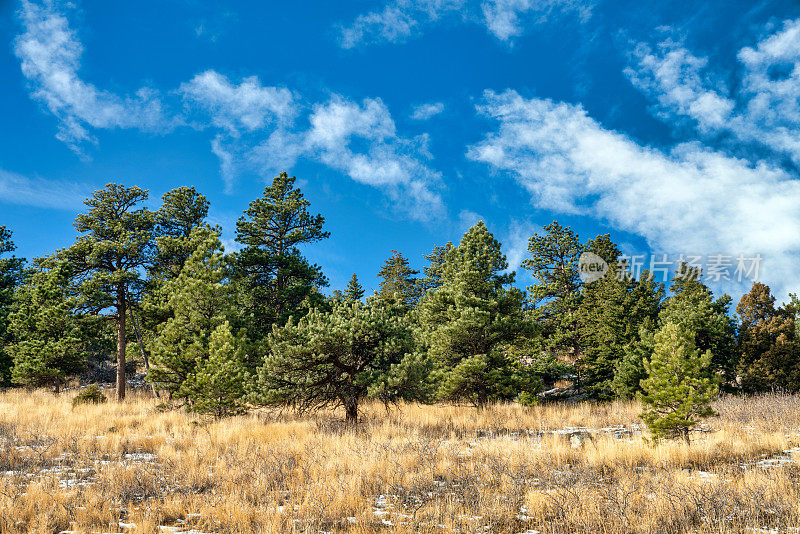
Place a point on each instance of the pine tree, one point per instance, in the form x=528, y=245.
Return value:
x=629, y=370
x=467, y=321
x=555, y=297
x=612, y=311
x=182, y=210
x=341, y=357
x=116, y=242
x=679, y=386
x=47, y=345
x=398, y=279
x=273, y=277
x=11, y=274
x=218, y=385
x=353, y=291
x=433, y=271
x=768, y=343
x=693, y=307
x=198, y=303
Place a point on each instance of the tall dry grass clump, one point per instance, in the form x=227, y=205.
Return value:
x=133, y=467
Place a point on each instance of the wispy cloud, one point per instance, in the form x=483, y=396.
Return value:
x=50, y=54
x=383, y=159
x=764, y=108
x=254, y=126
x=690, y=199
x=399, y=20
x=247, y=106
x=424, y=112
x=24, y=191
x=515, y=242
x=506, y=19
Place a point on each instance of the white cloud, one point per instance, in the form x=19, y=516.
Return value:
x=50, y=53
x=506, y=19
x=248, y=106
x=386, y=160
x=17, y=189
x=357, y=139
x=688, y=200
x=389, y=25
x=764, y=110
x=400, y=20
x=254, y=125
x=424, y=112
x=516, y=241
x=467, y=219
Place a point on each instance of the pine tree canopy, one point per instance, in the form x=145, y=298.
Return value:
x=338, y=358
x=47, y=342
x=274, y=277
x=116, y=241
x=11, y=274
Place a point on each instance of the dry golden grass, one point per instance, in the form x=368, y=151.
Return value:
x=133, y=468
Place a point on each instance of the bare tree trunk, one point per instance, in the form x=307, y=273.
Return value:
x=121, y=311
x=351, y=411
x=141, y=349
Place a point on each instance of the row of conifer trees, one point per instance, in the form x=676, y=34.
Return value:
x=224, y=331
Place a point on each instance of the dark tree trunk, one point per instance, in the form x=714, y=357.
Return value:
x=121, y=312
x=351, y=411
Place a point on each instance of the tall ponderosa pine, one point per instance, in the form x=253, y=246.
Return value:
x=768, y=343
x=11, y=272
x=273, y=276
x=198, y=303
x=339, y=358
x=398, y=280
x=680, y=384
x=47, y=342
x=613, y=309
x=182, y=210
x=555, y=296
x=469, y=318
x=116, y=242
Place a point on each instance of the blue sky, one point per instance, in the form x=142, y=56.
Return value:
x=673, y=125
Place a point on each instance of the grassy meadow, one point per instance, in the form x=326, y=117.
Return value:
x=138, y=467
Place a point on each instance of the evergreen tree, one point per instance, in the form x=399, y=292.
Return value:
x=679, y=386
x=47, y=345
x=555, y=297
x=273, y=276
x=340, y=358
x=399, y=279
x=433, y=271
x=218, y=385
x=182, y=210
x=468, y=320
x=612, y=312
x=630, y=370
x=116, y=242
x=198, y=303
x=693, y=307
x=353, y=291
x=11, y=273
x=768, y=344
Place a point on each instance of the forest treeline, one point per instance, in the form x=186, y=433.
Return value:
x=224, y=331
